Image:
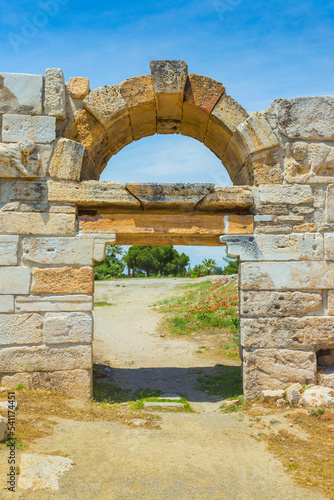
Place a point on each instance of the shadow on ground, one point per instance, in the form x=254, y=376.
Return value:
x=197, y=384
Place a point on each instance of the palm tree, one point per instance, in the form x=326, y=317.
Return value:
x=114, y=250
x=208, y=264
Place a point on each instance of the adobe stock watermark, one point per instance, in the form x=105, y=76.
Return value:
x=224, y=6
x=32, y=25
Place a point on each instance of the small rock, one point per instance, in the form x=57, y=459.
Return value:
x=317, y=396
x=138, y=422
x=3, y=429
x=4, y=389
x=230, y=402
x=280, y=402
x=290, y=424
x=273, y=395
x=293, y=393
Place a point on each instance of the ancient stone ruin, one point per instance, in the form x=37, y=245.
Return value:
x=56, y=217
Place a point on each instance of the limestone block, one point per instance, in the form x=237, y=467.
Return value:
x=3, y=429
x=100, y=243
x=326, y=377
x=227, y=198
x=254, y=304
x=31, y=303
x=275, y=369
x=16, y=128
x=6, y=303
x=293, y=393
x=54, y=93
x=290, y=333
x=252, y=135
x=318, y=396
x=31, y=223
x=8, y=250
x=287, y=276
x=269, y=395
x=42, y=471
x=75, y=251
x=24, y=159
x=168, y=126
x=21, y=329
x=27, y=190
x=21, y=93
x=169, y=81
x=85, y=128
x=63, y=208
x=291, y=195
x=330, y=309
x=305, y=117
x=266, y=166
x=67, y=160
x=14, y=280
x=329, y=246
x=92, y=193
x=21, y=359
x=139, y=96
x=307, y=227
x=224, y=119
x=169, y=196
x=330, y=203
x=63, y=280
x=77, y=383
x=78, y=87
x=200, y=96
x=272, y=247
x=109, y=108
x=68, y=327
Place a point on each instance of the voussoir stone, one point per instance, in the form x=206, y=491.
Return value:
x=254, y=304
x=87, y=130
x=200, y=96
x=21, y=93
x=266, y=166
x=17, y=128
x=63, y=280
x=309, y=331
x=54, y=93
x=67, y=250
x=110, y=109
x=91, y=193
x=31, y=223
x=275, y=369
x=227, y=198
x=66, y=327
x=138, y=93
x=287, y=276
x=78, y=87
x=68, y=160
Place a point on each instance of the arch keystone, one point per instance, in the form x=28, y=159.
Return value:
x=169, y=81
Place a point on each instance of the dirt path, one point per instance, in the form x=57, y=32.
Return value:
x=205, y=455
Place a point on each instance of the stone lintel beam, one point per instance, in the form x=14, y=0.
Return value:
x=234, y=198
x=178, y=196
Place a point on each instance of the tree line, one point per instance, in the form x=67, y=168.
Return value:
x=155, y=261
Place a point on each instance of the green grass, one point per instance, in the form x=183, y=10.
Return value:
x=138, y=404
x=103, y=304
x=106, y=392
x=227, y=383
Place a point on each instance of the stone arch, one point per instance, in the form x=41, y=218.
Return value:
x=166, y=102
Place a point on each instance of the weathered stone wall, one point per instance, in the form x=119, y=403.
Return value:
x=56, y=217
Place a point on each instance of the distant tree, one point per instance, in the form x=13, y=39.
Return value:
x=232, y=265
x=208, y=265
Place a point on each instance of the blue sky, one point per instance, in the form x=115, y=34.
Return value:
x=260, y=50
